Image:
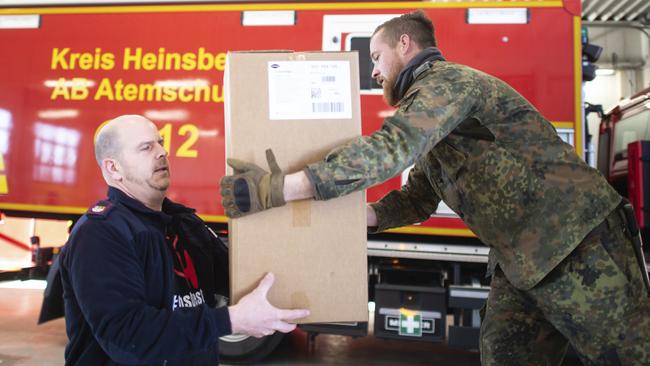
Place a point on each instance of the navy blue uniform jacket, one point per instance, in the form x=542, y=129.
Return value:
x=118, y=283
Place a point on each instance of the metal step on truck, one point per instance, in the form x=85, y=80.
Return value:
x=68, y=66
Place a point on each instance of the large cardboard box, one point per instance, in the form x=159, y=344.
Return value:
x=301, y=105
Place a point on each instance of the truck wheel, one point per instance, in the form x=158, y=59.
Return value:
x=242, y=349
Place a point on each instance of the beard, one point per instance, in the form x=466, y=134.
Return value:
x=157, y=183
x=389, y=84
x=389, y=94
x=160, y=185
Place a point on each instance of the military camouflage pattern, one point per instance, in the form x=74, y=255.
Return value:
x=490, y=155
x=594, y=299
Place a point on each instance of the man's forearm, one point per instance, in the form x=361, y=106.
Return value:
x=297, y=187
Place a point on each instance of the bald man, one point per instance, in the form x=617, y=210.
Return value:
x=142, y=275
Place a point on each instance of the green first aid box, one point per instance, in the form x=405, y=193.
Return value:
x=410, y=312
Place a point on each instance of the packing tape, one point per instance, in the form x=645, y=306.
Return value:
x=301, y=213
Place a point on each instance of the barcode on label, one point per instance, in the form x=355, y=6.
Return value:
x=328, y=78
x=326, y=107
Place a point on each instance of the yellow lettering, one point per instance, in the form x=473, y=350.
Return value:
x=182, y=96
x=4, y=187
x=132, y=58
x=130, y=92
x=146, y=93
x=166, y=134
x=161, y=59
x=97, y=59
x=189, y=62
x=60, y=89
x=174, y=58
x=149, y=61
x=73, y=60
x=205, y=60
x=58, y=58
x=170, y=94
x=118, y=86
x=66, y=60
x=186, y=151
x=220, y=61
x=79, y=89
x=108, y=61
x=202, y=90
x=105, y=90
x=85, y=61
x=215, y=94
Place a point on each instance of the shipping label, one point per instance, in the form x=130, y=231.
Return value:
x=309, y=90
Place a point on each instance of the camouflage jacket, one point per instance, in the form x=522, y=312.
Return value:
x=491, y=156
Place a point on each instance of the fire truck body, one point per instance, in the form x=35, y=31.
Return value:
x=624, y=153
x=66, y=70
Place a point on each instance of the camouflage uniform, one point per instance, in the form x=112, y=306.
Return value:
x=594, y=299
x=490, y=155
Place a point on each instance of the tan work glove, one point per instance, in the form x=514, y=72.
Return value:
x=251, y=189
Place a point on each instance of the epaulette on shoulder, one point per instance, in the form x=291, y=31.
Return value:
x=422, y=68
x=100, y=210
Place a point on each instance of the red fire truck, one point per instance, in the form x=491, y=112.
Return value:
x=67, y=69
x=624, y=153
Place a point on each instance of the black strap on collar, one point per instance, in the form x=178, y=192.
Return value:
x=407, y=75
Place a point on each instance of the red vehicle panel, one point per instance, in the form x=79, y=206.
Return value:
x=82, y=66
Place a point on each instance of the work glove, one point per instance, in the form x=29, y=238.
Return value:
x=251, y=189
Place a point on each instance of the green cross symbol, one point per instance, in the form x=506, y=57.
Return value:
x=410, y=325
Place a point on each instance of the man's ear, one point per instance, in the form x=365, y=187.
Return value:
x=404, y=45
x=111, y=168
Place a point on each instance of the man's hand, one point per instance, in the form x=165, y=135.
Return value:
x=255, y=316
x=251, y=189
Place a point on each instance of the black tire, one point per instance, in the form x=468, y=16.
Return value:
x=242, y=350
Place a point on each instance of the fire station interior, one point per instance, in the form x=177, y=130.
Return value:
x=437, y=273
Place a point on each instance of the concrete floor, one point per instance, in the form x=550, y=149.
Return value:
x=23, y=343
x=341, y=350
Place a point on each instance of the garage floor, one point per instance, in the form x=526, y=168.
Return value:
x=24, y=343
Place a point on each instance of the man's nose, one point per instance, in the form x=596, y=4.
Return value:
x=375, y=72
x=162, y=152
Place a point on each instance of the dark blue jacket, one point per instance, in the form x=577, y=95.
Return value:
x=118, y=283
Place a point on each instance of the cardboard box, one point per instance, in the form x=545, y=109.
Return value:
x=301, y=105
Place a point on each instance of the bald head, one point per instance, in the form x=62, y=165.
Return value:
x=108, y=144
x=132, y=158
